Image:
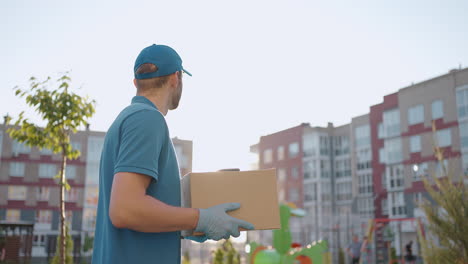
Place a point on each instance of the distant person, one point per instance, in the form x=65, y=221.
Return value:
x=354, y=250
x=409, y=253
x=139, y=217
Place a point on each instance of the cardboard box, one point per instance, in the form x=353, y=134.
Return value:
x=256, y=191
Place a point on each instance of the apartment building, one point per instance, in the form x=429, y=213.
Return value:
x=29, y=192
x=373, y=167
x=403, y=144
x=284, y=151
x=314, y=172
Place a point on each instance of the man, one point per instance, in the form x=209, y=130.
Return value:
x=410, y=258
x=354, y=250
x=139, y=215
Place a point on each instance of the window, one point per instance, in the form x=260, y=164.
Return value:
x=44, y=216
x=341, y=145
x=324, y=168
x=416, y=114
x=326, y=191
x=17, y=169
x=280, y=153
x=437, y=109
x=391, y=122
x=293, y=149
x=16, y=192
x=364, y=159
x=309, y=170
x=441, y=168
x=20, y=148
x=462, y=101
x=71, y=195
x=343, y=191
x=13, y=215
x=267, y=156
x=465, y=164
x=76, y=145
x=309, y=144
x=362, y=135
x=444, y=138
x=71, y=172
x=281, y=174
x=43, y=193
x=365, y=183
x=342, y=168
x=464, y=134
x=324, y=146
x=418, y=198
x=420, y=171
x=293, y=194
x=397, y=201
x=295, y=172
x=94, y=148
x=47, y=170
x=39, y=240
x=366, y=206
x=395, y=176
x=415, y=144
x=393, y=151
x=384, y=205
x=310, y=192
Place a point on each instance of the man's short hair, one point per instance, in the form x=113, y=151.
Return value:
x=151, y=83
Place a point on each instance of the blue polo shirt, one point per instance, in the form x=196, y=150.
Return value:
x=138, y=141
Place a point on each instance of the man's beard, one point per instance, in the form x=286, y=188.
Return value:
x=176, y=97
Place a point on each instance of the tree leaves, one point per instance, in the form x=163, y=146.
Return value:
x=447, y=218
x=64, y=112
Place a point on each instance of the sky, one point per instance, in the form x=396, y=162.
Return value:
x=258, y=66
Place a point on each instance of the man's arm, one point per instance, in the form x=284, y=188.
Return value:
x=131, y=208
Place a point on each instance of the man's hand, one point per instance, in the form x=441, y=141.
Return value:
x=216, y=224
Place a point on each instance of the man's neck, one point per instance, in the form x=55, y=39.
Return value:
x=159, y=101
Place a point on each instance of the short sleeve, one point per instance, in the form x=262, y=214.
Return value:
x=142, y=136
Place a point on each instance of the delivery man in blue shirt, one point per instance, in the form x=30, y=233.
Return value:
x=139, y=217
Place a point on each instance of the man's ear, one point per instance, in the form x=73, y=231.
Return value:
x=134, y=82
x=175, y=79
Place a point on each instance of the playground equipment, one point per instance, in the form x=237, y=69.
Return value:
x=384, y=237
x=286, y=252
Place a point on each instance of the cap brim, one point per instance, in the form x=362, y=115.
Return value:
x=186, y=72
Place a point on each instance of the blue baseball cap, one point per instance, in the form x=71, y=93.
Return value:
x=164, y=57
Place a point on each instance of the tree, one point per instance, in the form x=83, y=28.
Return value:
x=226, y=254
x=447, y=218
x=64, y=112
x=88, y=243
x=219, y=256
x=68, y=248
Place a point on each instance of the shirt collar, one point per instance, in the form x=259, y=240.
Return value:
x=143, y=100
